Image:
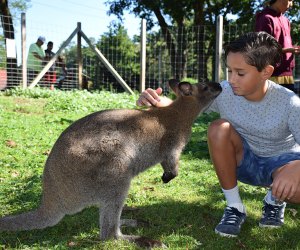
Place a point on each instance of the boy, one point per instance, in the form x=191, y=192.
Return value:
x=257, y=138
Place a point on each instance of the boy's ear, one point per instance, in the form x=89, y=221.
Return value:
x=268, y=71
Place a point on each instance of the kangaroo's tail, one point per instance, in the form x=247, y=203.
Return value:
x=36, y=219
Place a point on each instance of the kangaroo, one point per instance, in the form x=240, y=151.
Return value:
x=94, y=160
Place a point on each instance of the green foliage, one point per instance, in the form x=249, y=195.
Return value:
x=2, y=53
x=75, y=100
x=195, y=12
x=182, y=213
x=125, y=49
x=185, y=15
x=117, y=48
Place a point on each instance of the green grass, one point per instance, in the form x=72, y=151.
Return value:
x=182, y=213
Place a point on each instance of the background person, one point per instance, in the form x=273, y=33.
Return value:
x=63, y=72
x=50, y=76
x=35, y=58
x=273, y=21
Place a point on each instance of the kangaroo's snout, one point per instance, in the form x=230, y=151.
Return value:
x=167, y=176
x=216, y=88
x=213, y=87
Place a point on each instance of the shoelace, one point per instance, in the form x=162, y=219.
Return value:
x=272, y=212
x=231, y=216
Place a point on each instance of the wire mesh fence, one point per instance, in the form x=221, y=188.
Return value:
x=178, y=52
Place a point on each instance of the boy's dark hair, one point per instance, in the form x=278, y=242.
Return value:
x=258, y=48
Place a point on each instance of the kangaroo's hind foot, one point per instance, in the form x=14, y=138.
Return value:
x=143, y=242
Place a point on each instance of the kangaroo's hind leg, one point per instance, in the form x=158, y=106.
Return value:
x=110, y=211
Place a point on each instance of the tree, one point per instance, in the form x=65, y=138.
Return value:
x=9, y=33
x=121, y=51
x=184, y=14
x=117, y=42
x=117, y=48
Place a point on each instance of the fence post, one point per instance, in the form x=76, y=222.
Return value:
x=79, y=55
x=143, y=55
x=23, y=53
x=219, y=45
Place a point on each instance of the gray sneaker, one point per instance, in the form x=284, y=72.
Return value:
x=230, y=224
x=273, y=215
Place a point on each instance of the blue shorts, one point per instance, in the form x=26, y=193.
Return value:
x=257, y=170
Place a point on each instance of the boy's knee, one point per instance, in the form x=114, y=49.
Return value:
x=218, y=129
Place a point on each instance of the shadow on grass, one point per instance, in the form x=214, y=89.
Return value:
x=177, y=223
x=180, y=224
x=23, y=191
x=68, y=121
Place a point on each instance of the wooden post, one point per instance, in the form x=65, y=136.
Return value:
x=79, y=55
x=219, y=45
x=143, y=56
x=23, y=53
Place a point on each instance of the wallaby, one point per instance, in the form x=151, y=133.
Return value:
x=94, y=160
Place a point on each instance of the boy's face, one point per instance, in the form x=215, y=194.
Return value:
x=245, y=80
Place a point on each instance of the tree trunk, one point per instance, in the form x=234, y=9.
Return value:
x=8, y=30
x=200, y=38
x=176, y=45
x=181, y=59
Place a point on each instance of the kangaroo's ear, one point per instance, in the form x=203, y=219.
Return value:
x=185, y=88
x=173, y=84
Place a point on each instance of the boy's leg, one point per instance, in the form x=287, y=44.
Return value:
x=273, y=212
x=285, y=186
x=226, y=151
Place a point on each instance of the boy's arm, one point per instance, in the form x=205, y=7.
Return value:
x=287, y=178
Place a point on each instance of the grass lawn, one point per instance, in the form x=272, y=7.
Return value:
x=182, y=213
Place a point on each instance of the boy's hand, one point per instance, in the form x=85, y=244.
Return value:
x=151, y=97
x=286, y=181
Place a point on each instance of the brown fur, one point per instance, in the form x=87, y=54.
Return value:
x=94, y=159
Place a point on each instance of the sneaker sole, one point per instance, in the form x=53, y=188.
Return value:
x=225, y=235
x=228, y=235
x=269, y=226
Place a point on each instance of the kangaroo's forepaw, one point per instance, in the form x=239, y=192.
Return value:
x=167, y=176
